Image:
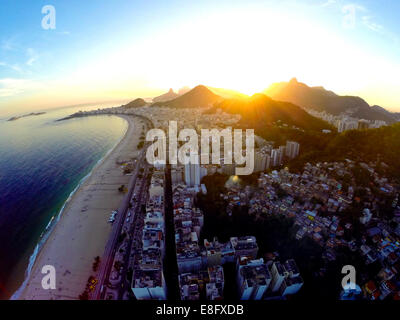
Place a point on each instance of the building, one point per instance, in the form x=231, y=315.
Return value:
x=149, y=285
x=192, y=285
x=156, y=187
x=276, y=157
x=363, y=124
x=278, y=274
x=215, y=286
x=253, y=278
x=214, y=253
x=293, y=281
x=262, y=160
x=350, y=293
x=244, y=246
x=292, y=149
x=176, y=175
x=192, y=172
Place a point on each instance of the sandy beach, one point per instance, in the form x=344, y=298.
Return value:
x=83, y=230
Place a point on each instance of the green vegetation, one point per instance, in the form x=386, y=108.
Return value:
x=96, y=263
x=380, y=145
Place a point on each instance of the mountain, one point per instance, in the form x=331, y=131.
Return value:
x=396, y=115
x=137, y=103
x=183, y=90
x=261, y=111
x=170, y=95
x=319, y=99
x=228, y=94
x=199, y=96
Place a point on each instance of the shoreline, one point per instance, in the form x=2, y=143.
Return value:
x=30, y=288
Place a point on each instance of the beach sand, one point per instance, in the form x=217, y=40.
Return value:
x=83, y=230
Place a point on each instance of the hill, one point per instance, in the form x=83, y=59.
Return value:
x=280, y=121
x=369, y=145
x=396, y=115
x=199, y=96
x=170, y=95
x=319, y=99
x=137, y=103
x=227, y=93
x=261, y=111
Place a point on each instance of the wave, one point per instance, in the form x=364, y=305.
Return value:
x=53, y=221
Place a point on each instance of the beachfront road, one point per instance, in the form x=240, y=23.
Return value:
x=111, y=247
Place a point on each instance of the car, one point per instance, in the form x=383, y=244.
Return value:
x=127, y=220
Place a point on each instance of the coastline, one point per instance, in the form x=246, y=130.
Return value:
x=79, y=231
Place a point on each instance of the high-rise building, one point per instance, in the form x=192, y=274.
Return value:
x=245, y=246
x=253, y=278
x=149, y=284
x=282, y=151
x=176, y=175
x=276, y=157
x=293, y=281
x=192, y=172
x=278, y=274
x=260, y=160
x=363, y=124
x=292, y=149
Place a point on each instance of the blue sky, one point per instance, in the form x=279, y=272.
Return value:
x=106, y=50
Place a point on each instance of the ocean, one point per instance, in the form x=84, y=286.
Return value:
x=42, y=162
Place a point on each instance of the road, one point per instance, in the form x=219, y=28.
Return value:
x=138, y=216
x=111, y=246
x=170, y=261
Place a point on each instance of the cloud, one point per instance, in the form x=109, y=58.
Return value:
x=32, y=56
x=11, y=87
x=8, y=44
x=15, y=67
x=328, y=3
x=367, y=21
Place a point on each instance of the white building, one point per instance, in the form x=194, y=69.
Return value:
x=149, y=285
x=292, y=149
x=293, y=281
x=278, y=274
x=253, y=278
x=276, y=157
x=192, y=172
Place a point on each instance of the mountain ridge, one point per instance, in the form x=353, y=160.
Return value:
x=260, y=110
x=199, y=96
x=320, y=99
x=170, y=95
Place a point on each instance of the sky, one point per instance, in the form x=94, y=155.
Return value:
x=111, y=50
